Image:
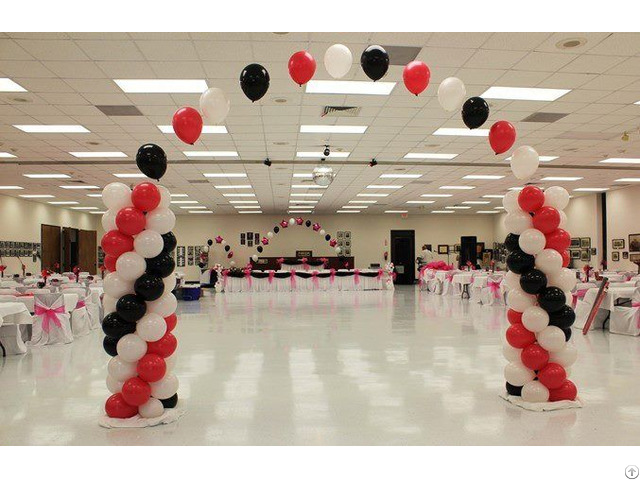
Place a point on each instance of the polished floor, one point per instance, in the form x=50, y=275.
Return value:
x=342, y=368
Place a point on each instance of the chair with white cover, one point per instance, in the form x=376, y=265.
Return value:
x=583, y=309
x=448, y=287
x=81, y=320
x=8, y=291
x=625, y=320
x=51, y=324
x=34, y=291
x=493, y=293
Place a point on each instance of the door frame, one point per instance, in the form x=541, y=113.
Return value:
x=411, y=234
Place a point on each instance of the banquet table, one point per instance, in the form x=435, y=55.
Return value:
x=12, y=315
x=464, y=280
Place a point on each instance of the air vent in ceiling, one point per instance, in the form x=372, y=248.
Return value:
x=544, y=117
x=198, y=181
x=330, y=111
x=120, y=110
x=399, y=55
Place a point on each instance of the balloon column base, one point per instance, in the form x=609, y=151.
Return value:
x=543, y=406
x=169, y=416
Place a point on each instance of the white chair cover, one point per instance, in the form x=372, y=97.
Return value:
x=46, y=331
x=38, y=290
x=449, y=288
x=583, y=308
x=625, y=320
x=493, y=293
x=81, y=322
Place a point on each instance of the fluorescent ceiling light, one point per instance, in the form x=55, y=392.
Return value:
x=299, y=211
x=363, y=201
x=385, y=187
x=421, y=202
x=522, y=93
x=561, y=179
x=84, y=208
x=238, y=194
x=232, y=187
x=442, y=211
x=457, y=207
x=303, y=201
x=516, y=189
x=436, y=195
x=161, y=86
x=308, y=186
x=635, y=179
x=456, y=187
x=620, y=160
x=355, y=206
x=475, y=202
x=333, y=128
x=247, y=206
x=37, y=196
x=250, y=211
x=542, y=158
x=46, y=175
x=205, y=129
x=637, y=103
x=8, y=85
x=194, y=207
x=498, y=208
x=52, y=128
x=242, y=201
x=302, y=175
x=211, y=153
x=306, y=194
x=79, y=187
x=432, y=156
x=347, y=211
x=130, y=175
x=462, y=132
x=487, y=211
x=100, y=212
x=341, y=87
x=482, y=177
x=322, y=155
x=179, y=195
x=493, y=196
x=6, y=155
x=396, y=211
x=400, y=175
x=372, y=195
x=94, y=195
x=63, y=203
x=200, y=211
x=183, y=202
x=98, y=154
x=10, y=187
x=595, y=189
x=225, y=175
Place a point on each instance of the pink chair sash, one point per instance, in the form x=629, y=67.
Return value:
x=314, y=279
x=81, y=304
x=494, y=286
x=49, y=315
x=356, y=277
x=225, y=275
x=578, y=294
x=448, y=276
x=292, y=278
x=381, y=272
x=304, y=263
x=272, y=274
x=247, y=275
x=332, y=275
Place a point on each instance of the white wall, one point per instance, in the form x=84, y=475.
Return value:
x=622, y=220
x=20, y=221
x=369, y=233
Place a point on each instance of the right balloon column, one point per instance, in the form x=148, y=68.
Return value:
x=538, y=341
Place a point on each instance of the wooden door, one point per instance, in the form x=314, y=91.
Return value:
x=69, y=248
x=87, y=250
x=50, y=240
x=403, y=255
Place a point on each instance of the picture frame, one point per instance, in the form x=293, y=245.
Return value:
x=575, y=254
x=242, y=238
x=615, y=256
x=634, y=242
x=347, y=234
x=585, y=242
x=575, y=243
x=594, y=251
x=256, y=238
x=479, y=247
x=617, y=244
x=634, y=257
x=443, y=249
x=585, y=254
x=340, y=234
x=625, y=255
x=457, y=248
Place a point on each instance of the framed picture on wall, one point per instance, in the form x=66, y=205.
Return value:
x=479, y=247
x=617, y=243
x=575, y=243
x=594, y=251
x=625, y=255
x=585, y=254
x=585, y=242
x=457, y=248
x=443, y=249
x=634, y=242
x=256, y=238
x=615, y=256
x=243, y=237
x=634, y=257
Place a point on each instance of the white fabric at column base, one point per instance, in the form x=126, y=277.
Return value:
x=543, y=406
x=170, y=415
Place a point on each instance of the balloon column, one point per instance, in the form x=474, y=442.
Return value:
x=138, y=303
x=539, y=297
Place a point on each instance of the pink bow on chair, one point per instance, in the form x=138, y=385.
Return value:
x=247, y=275
x=448, y=276
x=332, y=275
x=380, y=273
x=314, y=280
x=225, y=275
x=80, y=304
x=305, y=265
x=578, y=295
x=494, y=286
x=272, y=274
x=356, y=277
x=49, y=315
x=292, y=278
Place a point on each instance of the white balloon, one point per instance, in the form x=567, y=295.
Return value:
x=214, y=105
x=535, y=392
x=549, y=261
x=292, y=222
x=565, y=357
x=205, y=248
x=510, y=201
x=511, y=353
x=338, y=60
x=120, y=370
x=519, y=301
x=113, y=385
x=532, y=241
x=269, y=234
x=517, y=374
x=131, y=348
x=524, y=162
x=165, y=197
x=556, y=197
x=232, y=263
x=165, y=388
x=148, y=243
x=109, y=220
x=512, y=280
x=109, y=303
x=535, y=319
x=254, y=258
x=151, y=327
x=322, y=232
x=115, y=286
x=563, y=220
x=551, y=339
x=151, y=409
x=130, y=266
x=223, y=242
x=169, y=283
x=116, y=195
x=338, y=250
x=451, y=94
x=161, y=220
x=517, y=222
x=564, y=280
x=164, y=306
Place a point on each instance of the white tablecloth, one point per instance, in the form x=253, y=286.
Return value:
x=14, y=313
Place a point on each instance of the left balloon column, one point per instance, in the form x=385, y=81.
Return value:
x=139, y=305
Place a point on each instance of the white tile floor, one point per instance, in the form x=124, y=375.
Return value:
x=370, y=368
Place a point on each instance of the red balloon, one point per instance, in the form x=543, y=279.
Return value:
x=559, y=240
x=163, y=347
x=116, y=407
x=514, y=317
x=502, y=136
x=530, y=198
x=552, y=376
x=566, y=258
x=110, y=262
x=187, y=123
x=302, y=66
x=145, y=196
x=416, y=76
x=534, y=357
x=230, y=254
x=171, y=322
x=130, y=220
x=567, y=391
x=116, y=243
x=519, y=337
x=136, y=391
x=151, y=368
x=546, y=219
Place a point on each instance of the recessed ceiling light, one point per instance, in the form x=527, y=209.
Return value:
x=98, y=154
x=194, y=207
x=385, y=187
x=84, y=208
x=588, y=189
x=250, y=211
x=400, y=175
x=372, y=195
x=421, y=202
x=340, y=87
x=493, y=196
x=457, y=207
x=79, y=187
x=130, y=175
x=432, y=156
x=206, y=129
x=201, y=211
x=436, y=195
x=442, y=211
x=308, y=186
x=621, y=160
x=333, y=128
x=10, y=187
x=46, y=175
x=355, y=206
x=322, y=155
x=52, y=128
x=303, y=175
x=238, y=194
x=629, y=179
x=475, y=202
x=225, y=175
x=6, y=155
x=456, y=187
x=561, y=179
x=363, y=201
x=482, y=177
x=306, y=194
x=179, y=195
x=183, y=202
x=396, y=211
x=37, y=196
x=542, y=158
x=94, y=195
x=211, y=153
x=487, y=211
x=347, y=211
x=247, y=206
x=233, y=202
x=161, y=86
x=462, y=132
x=63, y=203
x=8, y=85
x=522, y=93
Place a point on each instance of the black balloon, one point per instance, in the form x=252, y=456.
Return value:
x=520, y=262
x=131, y=308
x=254, y=81
x=552, y=299
x=259, y=249
x=209, y=242
x=276, y=229
x=308, y=223
x=227, y=248
x=512, y=242
x=513, y=390
x=149, y=287
x=533, y=281
x=375, y=62
x=563, y=318
x=327, y=237
x=109, y=344
x=475, y=112
x=113, y=325
x=170, y=242
x=161, y=266
x=567, y=333
x=152, y=161
x=170, y=402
